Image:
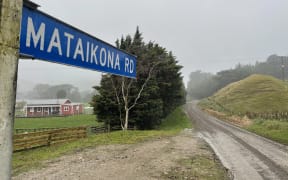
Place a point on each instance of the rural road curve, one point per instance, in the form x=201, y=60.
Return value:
x=248, y=156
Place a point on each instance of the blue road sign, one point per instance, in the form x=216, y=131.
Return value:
x=47, y=38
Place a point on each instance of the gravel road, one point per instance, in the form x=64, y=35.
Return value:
x=246, y=155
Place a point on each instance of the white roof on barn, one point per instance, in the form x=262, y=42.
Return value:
x=47, y=102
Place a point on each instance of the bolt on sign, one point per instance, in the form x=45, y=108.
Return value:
x=47, y=38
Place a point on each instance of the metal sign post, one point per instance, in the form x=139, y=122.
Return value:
x=10, y=16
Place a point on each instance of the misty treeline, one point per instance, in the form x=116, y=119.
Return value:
x=202, y=84
x=61, y=91
x=157, y=90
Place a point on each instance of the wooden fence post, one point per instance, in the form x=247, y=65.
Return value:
x=49, y=139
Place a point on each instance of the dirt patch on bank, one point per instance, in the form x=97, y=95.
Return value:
x=236, y=120
x=178, y=157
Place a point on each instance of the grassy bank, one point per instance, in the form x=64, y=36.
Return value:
x=55, y=122
x=272, y=129
x=173, y=124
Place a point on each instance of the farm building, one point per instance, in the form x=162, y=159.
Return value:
x=52, y=107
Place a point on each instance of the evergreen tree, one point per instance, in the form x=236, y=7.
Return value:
x=145, y=101
x=171, y=84
x=104, y=103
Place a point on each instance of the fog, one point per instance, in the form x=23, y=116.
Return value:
x=207, y=35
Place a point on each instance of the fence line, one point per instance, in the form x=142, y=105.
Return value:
x=103, y=129
x=268, y=115
x=47, y=138
x=29, y=130
x=98, y=129
x=33, y=138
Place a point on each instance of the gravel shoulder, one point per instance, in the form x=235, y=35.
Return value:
x=180, y=157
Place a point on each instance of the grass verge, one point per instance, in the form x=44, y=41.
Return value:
x=173, y=124
x=199, y=166
x=272, y=129
x=176, y=121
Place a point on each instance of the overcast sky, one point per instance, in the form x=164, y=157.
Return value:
x=207, y=35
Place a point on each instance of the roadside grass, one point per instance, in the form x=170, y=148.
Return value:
x=198, y=167
x=272, y=129
x=26, y=160
x=205, y=167
x=202, y=165
x=176, y=121
x=56, y=122
x=275, y=130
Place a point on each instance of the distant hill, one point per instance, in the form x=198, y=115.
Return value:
x=202, y=85
x=256, y=93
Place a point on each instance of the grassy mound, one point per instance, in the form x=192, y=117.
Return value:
x=256, y=93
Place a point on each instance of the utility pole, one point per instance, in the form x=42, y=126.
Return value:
x=283, y=68
x=10, y=19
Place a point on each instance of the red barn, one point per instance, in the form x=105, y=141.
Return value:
x=52, y=107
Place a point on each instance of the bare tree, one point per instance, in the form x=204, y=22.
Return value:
x=123, y=91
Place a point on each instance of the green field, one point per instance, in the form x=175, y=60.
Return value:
x=55, y=122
